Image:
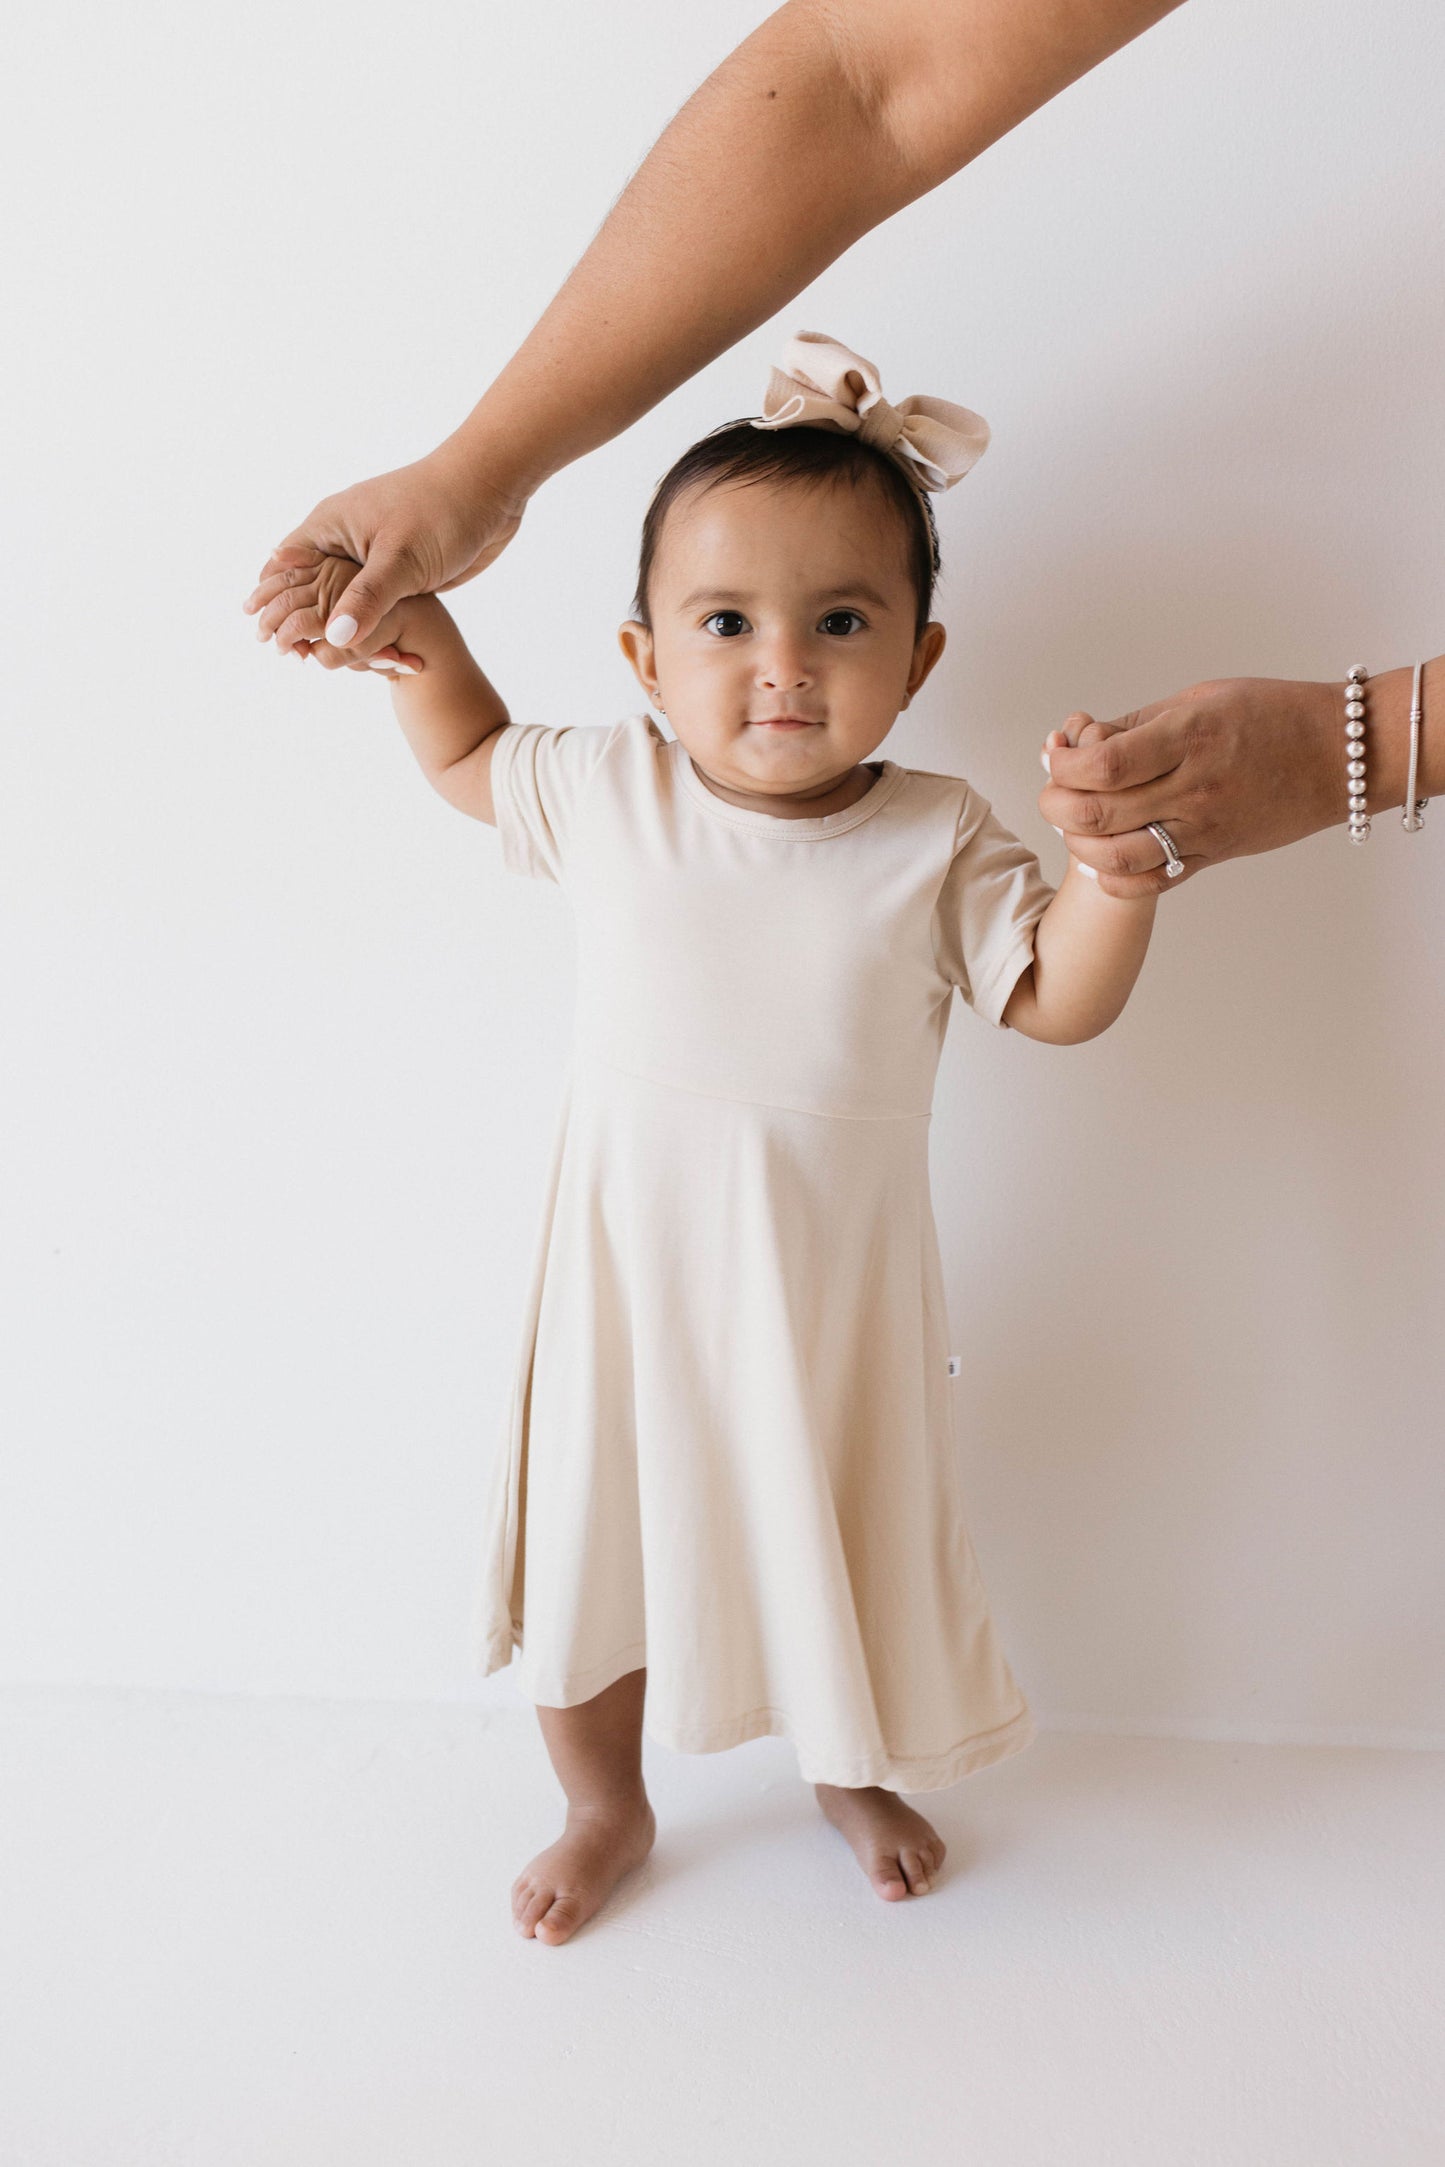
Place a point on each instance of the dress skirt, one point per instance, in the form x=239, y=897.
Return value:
x=729, y=1454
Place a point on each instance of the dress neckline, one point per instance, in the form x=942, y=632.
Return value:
x=808, y=828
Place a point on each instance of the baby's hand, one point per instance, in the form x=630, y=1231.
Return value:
x=295, y=605
x=1080, y=729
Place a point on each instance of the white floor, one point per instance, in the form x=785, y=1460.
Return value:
x=276, y=1933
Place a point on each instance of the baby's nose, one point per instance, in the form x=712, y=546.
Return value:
x=782, y=670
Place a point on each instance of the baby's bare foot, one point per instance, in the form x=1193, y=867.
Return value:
x=898, y=1850
x=574, y=1877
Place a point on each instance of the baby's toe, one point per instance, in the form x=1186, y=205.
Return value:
x=915, y=1871
x=887, y=1877
x=531, y=1901
x=563, y=1918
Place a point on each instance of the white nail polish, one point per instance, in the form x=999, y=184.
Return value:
x=376, y=663
x=341, y=631
x=1044, y=764
x=404, y=669
x=1057, y=831
x=1087, y=870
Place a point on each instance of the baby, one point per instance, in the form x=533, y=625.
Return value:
x=727, y=1494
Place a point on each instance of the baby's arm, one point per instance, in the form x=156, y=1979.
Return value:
x=450, y=715
x=1089, y=949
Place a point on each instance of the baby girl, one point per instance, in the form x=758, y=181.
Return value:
x=726, y=1500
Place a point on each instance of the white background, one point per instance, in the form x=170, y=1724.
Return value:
x=284, y=1043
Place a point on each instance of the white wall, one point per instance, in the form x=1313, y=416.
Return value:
x=285, y=1043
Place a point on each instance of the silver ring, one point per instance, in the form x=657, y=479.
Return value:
x=1173, y=863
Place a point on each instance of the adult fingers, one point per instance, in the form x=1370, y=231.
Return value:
x=390, y=661
x=307, y=572
x=1128, y=857
x=1130, y=886
x=1133, y=748
x=1114, y=785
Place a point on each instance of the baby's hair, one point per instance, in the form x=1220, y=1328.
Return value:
x=810, y=456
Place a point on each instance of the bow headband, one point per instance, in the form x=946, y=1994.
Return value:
x=823, y=384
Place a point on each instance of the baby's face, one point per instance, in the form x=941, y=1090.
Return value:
x=775, y=601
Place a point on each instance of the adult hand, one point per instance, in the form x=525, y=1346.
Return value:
x=1238, y=765
x=420, y=529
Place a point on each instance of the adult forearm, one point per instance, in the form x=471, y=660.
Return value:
x=830, y=117
x=1294, y=778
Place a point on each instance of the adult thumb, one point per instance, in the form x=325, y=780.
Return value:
x=384, y=580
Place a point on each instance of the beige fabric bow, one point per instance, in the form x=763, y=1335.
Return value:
x=826, y=385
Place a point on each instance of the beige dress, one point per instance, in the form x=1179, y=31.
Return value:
x=730, y=1454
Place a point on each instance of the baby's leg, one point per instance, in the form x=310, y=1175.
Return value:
x=596, y=1749
x=898, y=1850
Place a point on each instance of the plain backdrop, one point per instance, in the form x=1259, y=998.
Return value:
x=284, y=1043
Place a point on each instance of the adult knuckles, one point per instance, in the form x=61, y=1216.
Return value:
x=1203, y=732
x=1104, y=765
x=1113, y=761
x=1114, y=858
x=410, y=565
x=1088, y=815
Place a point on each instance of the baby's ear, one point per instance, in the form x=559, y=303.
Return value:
x=927, y=648
x=635, y=641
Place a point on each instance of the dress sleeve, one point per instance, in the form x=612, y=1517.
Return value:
x=539, y=777
x=992, y=897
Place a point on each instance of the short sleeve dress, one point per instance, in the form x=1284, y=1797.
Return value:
x=729, y=1453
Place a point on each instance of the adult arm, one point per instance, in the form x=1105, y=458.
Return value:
x=828, y=118
x=1232, y=767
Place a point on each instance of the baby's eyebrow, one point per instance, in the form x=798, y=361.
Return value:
x=858, y=589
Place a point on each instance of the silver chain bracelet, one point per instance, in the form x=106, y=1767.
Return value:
x=1355, y=751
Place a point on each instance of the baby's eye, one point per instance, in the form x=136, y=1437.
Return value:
x=843, y=613
x=734, y=613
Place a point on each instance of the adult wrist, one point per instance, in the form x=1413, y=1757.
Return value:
x=1387, y=730
x=485, y=462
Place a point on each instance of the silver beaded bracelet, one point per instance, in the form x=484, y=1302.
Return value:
x=1355, y=751
x=1413, y=816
